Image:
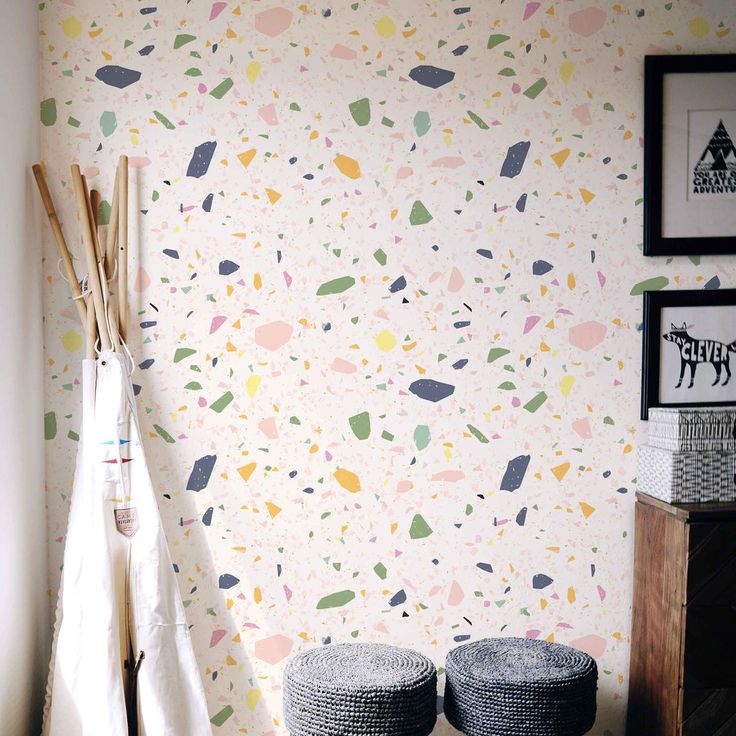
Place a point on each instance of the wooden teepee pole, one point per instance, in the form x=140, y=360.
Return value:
x=112, y=230
x=92, y=264
x=105, y=268
x=123, y=245
x=95, y=198
x=90, y=329
x=91, y=216
x=66, y=258
x=92, y=219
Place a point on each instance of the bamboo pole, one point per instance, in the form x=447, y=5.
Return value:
x=112, y=230
x=112, y=326
x=114, y=322
x=91, y=329
x=123, y=245
x=91, y=326
x=92, y=263
x=92, y=219
x=95, y=199
x=110, y=314
x=61, y=246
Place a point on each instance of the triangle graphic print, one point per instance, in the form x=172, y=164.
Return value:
x=719, y=154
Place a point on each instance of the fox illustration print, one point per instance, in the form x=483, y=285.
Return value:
x=694, y=351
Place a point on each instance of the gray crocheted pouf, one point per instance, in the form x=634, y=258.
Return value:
x=360, y=690
x=520, y=687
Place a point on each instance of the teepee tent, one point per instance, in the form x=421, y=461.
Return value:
x=122, y=661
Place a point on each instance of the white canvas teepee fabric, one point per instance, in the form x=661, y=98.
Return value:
x=119, y=604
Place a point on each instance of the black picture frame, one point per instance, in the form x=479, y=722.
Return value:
x=654, y=302
x=655, y=69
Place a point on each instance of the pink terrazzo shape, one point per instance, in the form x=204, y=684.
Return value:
x=581, y=427
x=591, y=644
x=587, y=21
x=274, y=21
x=449, y=475
x=267, y=113
x=456, y=594
x=456, y=280
x=268, y=427
x=587, y=335
x=343, y=366
x=274, y=648
x=273, y=335
x=342, y=52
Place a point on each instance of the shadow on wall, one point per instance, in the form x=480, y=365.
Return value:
x=24, y=626
x=232, y=688
x=233, y=697
x=608, y=717
x=225, y=686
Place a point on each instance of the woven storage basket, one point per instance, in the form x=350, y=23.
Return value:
x=698, y=444
x=687, y=477
x=682, y=416
x=520, y=687
x=360, y=690
x=684, y=430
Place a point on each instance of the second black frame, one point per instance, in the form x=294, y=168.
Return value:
x=654, y=302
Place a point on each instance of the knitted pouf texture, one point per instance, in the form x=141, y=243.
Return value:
x=360, y=690
x=520, y=687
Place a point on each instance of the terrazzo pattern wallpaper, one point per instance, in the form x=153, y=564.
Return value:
x=386, y=286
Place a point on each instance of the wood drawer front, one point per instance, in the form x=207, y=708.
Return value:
x=708, y=712
x=710, y=647
x=711, y=575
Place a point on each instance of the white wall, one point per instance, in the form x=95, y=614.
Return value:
x=24, y=612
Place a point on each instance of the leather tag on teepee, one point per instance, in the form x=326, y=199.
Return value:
x=126, y=521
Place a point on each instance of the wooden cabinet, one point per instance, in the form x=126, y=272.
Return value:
x=683, y=641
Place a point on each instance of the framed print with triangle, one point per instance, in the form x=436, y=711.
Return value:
x=689, y=155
